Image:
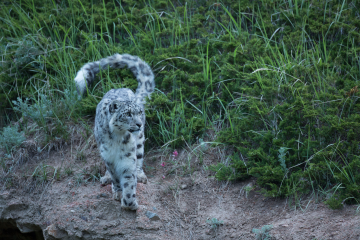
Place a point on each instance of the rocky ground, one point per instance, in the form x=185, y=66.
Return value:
x=180, y=201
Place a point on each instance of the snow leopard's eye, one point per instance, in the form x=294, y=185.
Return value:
x=128, y=114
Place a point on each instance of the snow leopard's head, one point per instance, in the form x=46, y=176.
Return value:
x=125, y=116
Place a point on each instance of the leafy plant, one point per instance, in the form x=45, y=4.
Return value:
x=334, y=203
x=236, y=170
x=10, y=138
x=70, y=100
x=38, y=111
x=214, y=223
x=263, y=233
x=282, y=154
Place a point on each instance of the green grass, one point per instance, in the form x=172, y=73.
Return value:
x=265, y=76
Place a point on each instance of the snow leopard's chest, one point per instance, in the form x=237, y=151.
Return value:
x=118, y=148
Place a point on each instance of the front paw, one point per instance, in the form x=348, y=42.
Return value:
x=129, y=204
x=117, y=196
x=106, y=179
x=141, y=177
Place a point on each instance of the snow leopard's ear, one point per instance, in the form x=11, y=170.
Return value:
x=114, y=106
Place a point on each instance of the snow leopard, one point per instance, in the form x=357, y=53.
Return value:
x=120, y=124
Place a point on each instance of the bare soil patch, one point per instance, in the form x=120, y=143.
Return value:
x=186, y=201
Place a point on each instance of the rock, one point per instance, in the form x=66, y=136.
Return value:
x=104, y=195
x=52, y=232
x=5, y=195
x=27, y=227
x=183, y=186
x=152, y=216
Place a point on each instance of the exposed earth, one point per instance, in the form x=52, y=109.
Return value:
x=180, y=201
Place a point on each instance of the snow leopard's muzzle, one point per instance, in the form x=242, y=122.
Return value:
x=136, y=126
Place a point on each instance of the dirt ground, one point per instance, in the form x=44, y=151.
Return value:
x=186, y=201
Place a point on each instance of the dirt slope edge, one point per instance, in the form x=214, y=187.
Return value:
x=184, y=206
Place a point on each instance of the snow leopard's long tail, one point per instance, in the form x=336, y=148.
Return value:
x=140, y=69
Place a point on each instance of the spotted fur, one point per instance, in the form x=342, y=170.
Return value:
x=141, y=70
x=120, y=124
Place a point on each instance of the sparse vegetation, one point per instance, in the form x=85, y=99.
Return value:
x=68, y=171
x=11, y=138
x=214, y=223
x=263, y=233
x=44, y=172
x=276, y=84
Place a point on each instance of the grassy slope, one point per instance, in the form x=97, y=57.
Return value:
x=276, y=80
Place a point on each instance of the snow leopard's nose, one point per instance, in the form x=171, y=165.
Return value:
x=138, y=124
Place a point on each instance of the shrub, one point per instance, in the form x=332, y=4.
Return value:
x=263, y=233
x=40, y=110
x=214, y=223
x=10, y=138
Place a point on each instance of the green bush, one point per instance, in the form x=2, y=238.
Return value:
x=263, y=233
x=39, y=111
x=11, y=138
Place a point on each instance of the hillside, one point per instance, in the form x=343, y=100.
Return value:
x=248, y=92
